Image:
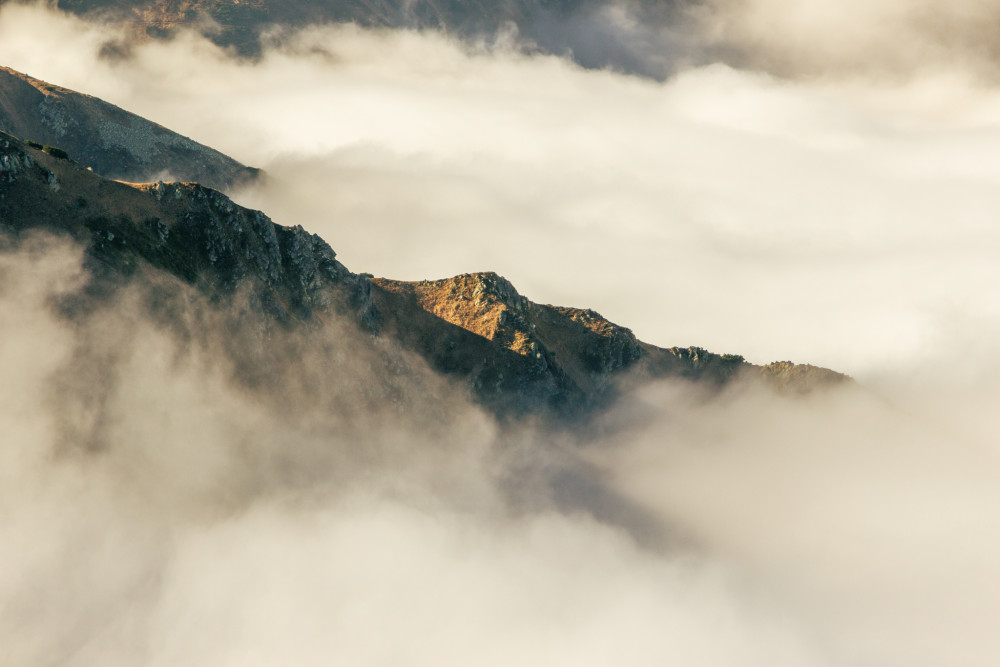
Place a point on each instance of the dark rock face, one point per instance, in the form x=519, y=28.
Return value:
x=113, y=142
x=516, y=357
x=185, y=229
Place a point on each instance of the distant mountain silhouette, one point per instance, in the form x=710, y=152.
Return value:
x=591, y=32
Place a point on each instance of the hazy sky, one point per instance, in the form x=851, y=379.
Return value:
x=825, y=192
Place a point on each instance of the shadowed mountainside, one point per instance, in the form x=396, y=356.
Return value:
x=113, y=142
x=516, y=357
x=594, y=33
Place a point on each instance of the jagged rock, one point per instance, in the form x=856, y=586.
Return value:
x=522, y=356
x=186, y=229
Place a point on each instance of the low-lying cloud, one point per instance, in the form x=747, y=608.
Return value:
x=154, y=511
x=185, y=516
x=873, y=518
x=885, y=39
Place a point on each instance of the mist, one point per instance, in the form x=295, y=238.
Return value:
x=183, y=516
x=785, y=199
x=157, y=509
x=888, y=39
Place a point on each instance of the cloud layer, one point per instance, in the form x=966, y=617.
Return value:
x=156, y=511
x=815, y=213
x=886, y=39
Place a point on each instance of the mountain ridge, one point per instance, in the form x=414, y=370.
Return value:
x=517, y=357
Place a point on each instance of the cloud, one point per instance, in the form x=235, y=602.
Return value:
x=159, y=512
x=186, y=516
x=887, y=39
x=870, y=516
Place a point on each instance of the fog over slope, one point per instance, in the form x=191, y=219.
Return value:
x=155, y=512
x=840, y=215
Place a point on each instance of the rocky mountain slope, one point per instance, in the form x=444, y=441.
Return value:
x=519, y=354
x=113, y=142
x=516, y=357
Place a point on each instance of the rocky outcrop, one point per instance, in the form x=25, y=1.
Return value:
x=113, y=142
x=185, y=229
x=790, y=377
x=524, y=357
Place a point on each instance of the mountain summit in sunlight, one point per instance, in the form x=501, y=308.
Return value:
x=520, y=354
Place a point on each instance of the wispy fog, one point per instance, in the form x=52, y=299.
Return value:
x=885, y=39
x=825, y=192
x=158, y=510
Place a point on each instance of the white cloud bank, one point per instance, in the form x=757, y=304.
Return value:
x=154, y=513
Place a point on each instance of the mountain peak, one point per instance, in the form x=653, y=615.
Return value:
x=485, y=304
